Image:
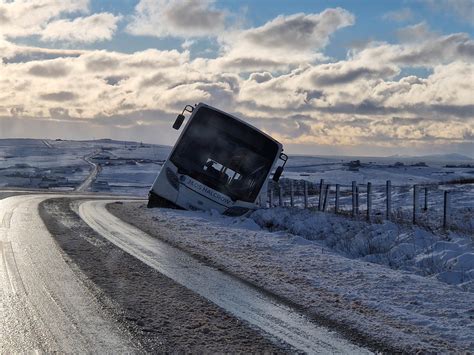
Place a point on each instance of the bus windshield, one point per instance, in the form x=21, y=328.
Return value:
x=225, y=154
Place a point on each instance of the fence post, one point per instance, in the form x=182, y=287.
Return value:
x=446, y=211
x=280, y=195
x=320, y=202
x=326, y=193
x=336, y=205
x=305, y=194
x=353, y=198
x=357, y=201
x=415, y=202
x=270, y=196
x=426, y=199
x=389, y=200
x=292, y=194
x=369, y=200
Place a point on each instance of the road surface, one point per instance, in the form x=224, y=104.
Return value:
x=46, y=307
x=229, y=293
x=84, y=186
x=43, y=305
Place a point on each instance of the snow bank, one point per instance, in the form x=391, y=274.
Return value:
x=447, y=257
x=317, y=267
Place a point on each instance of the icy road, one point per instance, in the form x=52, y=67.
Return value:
x=45, y=307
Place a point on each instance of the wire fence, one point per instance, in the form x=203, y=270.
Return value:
x=429, y=205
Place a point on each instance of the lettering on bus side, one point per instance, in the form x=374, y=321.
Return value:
x=214, y=195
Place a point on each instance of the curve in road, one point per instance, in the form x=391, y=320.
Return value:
x=92, y=175
x=43, y=305
x=229, y=293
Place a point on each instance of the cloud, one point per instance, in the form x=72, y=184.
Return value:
x=261, y=77
x=97, y=27
x=181, y=18
x=59, y=96
x=462, y=9
x=298, y=32
x=401, y=15
x=51, y=70
x=416, y=33
x=26, y=18
x=275, y=76
x=13, y=53
x=427, y=52
x=284, y=41
x=347, y=72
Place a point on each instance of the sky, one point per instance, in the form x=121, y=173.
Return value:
x=370, y=78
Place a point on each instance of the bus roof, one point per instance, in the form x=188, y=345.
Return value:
x=201, y=104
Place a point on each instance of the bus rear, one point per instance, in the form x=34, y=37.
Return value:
x=219, y=162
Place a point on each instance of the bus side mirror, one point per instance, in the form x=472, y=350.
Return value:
x=179, y=121
x=277, y=174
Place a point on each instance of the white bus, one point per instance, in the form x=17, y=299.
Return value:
x=218, y=162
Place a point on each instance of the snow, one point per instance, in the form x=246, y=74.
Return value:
x=449, y=257
x=125, y=167
x=380, y=279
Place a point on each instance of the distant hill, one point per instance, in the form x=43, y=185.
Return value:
x=435, y=157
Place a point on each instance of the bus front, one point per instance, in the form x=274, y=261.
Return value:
x=219, y=162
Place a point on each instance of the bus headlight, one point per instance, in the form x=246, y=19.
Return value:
x=172, y=178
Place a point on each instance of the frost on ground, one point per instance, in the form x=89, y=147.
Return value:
x=330, y=275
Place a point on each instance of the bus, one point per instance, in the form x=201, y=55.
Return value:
x=219, y=162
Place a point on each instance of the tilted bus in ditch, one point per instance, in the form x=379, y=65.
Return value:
x=218, y=162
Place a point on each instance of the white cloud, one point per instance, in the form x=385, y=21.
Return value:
x=426, y=52
x=401, y=15
x=22, y=18
x=419, y=32
x=284, y=41
x=97, y=27
x=177, y=18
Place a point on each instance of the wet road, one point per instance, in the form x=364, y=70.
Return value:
x=43, y=305
x=231, y=294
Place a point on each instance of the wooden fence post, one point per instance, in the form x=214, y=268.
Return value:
x=446, y=210
x=369, y=200
x=389, y=200
x=426, y=199
x=326, y=193
x=336, y=205
x=320, y=202
x=415, y=202
x=305, y=194
x=292, y=194
x=353, y=198
x=357, y=201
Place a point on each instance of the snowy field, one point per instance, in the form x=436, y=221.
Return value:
x=129, y=168
x=125, y=167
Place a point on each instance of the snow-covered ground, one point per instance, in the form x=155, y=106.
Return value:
x=125, y=167
x=447, y=257
x=377, y=170
x=399, y=285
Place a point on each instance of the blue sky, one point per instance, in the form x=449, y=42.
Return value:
x=324, y=77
